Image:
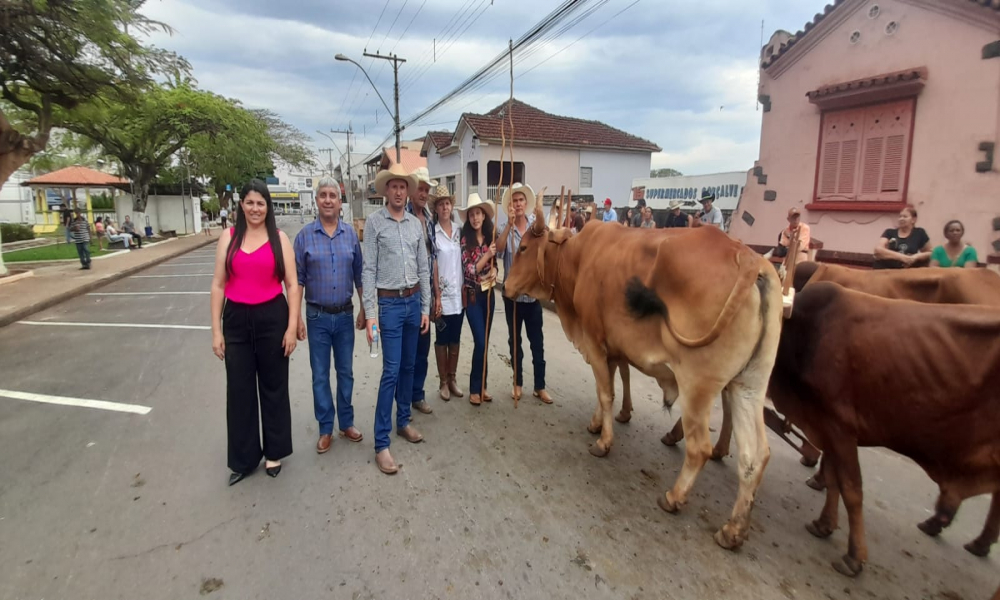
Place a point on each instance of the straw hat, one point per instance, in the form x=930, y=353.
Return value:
x=674, y=204
x=476, y=201
x=422, y=175
x=396, y=171
x=523, y=188
x=441, y=192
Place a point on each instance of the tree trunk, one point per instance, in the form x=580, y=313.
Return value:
x=11, y=162
x=16, y=148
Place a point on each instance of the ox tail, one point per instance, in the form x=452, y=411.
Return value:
x=642, y=301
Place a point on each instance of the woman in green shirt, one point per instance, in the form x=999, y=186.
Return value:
x=954, y=253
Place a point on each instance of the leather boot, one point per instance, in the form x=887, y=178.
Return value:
x=441, y=354
x=452, y=369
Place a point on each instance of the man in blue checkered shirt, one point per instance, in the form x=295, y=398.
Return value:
x=417, y=206
x=328, y=261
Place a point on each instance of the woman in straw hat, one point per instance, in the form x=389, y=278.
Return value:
x=518, y=201
x=447, y=311
x=478, y=251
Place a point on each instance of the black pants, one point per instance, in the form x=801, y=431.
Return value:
x=529, y=314
x=137, y=238
x=256, y=365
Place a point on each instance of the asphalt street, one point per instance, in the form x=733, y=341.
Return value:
x=129, y=500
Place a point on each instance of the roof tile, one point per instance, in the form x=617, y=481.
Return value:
x=77, y=176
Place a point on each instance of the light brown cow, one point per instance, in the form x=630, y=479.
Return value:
x=698, y=309
x=858, y=370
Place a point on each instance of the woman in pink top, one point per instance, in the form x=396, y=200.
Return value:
x=253, y=331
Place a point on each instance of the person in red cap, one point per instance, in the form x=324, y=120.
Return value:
x=786, y=234
x=610, y=216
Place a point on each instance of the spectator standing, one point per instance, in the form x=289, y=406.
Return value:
x=99, y=232
x=709, y=214
x=223, y=215
x=676, y=217
x=417, y=206
x=328, y=265
x=904, y=246
x=523, y=310
x=794, y=225
x=397, y=291
x=80, y=234
x=954, y=253
x=66, y=217
x=478, y=252
x=447, y=311
x=254, y=331
x=610, y=216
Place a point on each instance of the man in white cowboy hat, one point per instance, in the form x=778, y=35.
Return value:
x=676, y=217
x=518, y=202
x=709, y=214
x=397, y=290
x=417, y=206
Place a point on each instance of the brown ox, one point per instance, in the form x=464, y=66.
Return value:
x=858, y=370
x=697, y=310
x=928, y=285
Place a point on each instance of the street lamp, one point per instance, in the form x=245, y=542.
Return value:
x=395, y=78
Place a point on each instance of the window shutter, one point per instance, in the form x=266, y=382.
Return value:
x=886, y=145
x=839, y=153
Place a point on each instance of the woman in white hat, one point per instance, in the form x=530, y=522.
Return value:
x=478, y=251
x=447, y=311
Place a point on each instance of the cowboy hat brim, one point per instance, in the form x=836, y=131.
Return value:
x=485, y=205
x=383, y=178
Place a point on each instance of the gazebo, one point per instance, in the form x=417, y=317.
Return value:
x=73, y=178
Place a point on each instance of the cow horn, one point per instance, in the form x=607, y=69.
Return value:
x=539, y=227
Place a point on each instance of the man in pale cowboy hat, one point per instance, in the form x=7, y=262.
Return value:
x=397, y=290
x=676, y=217
x=516, y=202
x=417, y=206
x=709, y=214
x=610, y=216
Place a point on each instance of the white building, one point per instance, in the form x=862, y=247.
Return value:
x=592, y=159
x=688, y=189
x=16, y=202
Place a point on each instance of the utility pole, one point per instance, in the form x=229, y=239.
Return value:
x=395, y=88
x=350, y=183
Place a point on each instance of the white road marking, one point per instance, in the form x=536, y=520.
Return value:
x=125, y=325
x=185, y=264
x=174, y=275
x=146, y=293
x=82, y=402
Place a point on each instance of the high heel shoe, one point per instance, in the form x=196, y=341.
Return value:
x=273, y=471
x=235, y=478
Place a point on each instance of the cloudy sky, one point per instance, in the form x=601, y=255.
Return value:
x=681, y=73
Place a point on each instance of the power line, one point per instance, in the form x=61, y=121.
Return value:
x=428, y=54
x=452, y=40
x=399, y=12
x=376, y=24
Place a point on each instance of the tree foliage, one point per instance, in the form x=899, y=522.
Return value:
x=57, y=54
x=665, y=173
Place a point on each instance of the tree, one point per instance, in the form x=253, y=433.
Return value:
x=145, y=133
x=665, y=173
x=57, y=54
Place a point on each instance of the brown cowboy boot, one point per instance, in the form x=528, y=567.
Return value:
x=441, y=354
x=452, y=369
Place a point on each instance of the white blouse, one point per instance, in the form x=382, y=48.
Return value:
x=449, y=260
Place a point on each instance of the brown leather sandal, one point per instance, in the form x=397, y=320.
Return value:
x=475, y=400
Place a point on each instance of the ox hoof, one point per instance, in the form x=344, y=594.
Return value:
x=816, y=483
x=597, y=451
x=667, y=504
x=818, y=529
x=718, y=455
x=931, y=527
x=979, y=548
x=848, y=566
x=727, y=539
x=623, y=418
x=808, y=461
x=669, y=439
x=594, y=429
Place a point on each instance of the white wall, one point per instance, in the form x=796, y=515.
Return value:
x=442, y=166
x=165, y=213
x=613, y=174
x=16, y=204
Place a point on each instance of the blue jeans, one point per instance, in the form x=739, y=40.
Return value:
x=399, y=330
x=83, y=250
x=529, y=315
x=420, y=366
x=331, y=332
x=476, y=315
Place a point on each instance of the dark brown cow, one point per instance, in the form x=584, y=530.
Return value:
x=858, y=370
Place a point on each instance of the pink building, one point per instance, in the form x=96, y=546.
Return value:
x=876, y=104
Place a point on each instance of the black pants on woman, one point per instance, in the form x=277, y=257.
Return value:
x=256, y=367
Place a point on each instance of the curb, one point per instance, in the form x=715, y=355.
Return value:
x=51, y=301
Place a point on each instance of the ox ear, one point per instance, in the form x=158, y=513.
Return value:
x=559, y=236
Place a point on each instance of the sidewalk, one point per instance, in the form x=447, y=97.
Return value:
x=51, y=285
